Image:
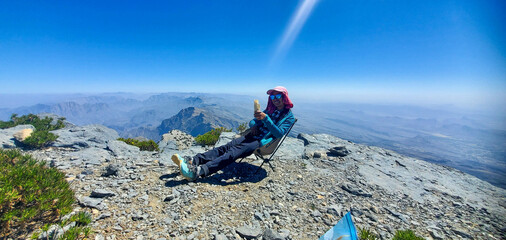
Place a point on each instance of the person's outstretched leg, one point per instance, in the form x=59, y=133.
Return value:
x=204, y=164
x=203, y=158
x=234, y=151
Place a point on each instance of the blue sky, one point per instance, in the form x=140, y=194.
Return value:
x=434, y=52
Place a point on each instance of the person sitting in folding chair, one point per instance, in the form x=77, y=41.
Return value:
x=274, y=122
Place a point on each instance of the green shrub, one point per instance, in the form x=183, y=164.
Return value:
x=242, y=127
x=406, y=235
x=80, y=230
x=8, y=124
x=32, y=119
x=366, y=234
x=41, y=137
x=30, y=193
x=142, y=145
x=148, y=146
x=76, y=232
x=211, y=137
x=81, y=219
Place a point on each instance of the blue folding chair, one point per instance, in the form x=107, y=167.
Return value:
x=269, y=149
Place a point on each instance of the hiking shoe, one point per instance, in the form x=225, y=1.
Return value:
x=187, y=169
x=177, y=159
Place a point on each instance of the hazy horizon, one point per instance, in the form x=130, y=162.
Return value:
x=438, y=52
x=15, y=100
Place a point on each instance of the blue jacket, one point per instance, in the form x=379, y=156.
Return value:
x=275, y=130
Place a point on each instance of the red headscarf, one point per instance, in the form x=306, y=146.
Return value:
x=286, y=100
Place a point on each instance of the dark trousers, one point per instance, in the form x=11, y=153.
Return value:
x=218, y=158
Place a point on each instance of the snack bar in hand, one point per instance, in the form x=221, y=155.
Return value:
x=257, y=106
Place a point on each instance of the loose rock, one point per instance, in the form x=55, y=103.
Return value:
x=249, y=232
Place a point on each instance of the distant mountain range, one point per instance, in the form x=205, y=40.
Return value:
x=134, y=117
x=473, y=142
x=194, y=121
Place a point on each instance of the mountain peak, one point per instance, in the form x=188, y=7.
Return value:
x=195, y=121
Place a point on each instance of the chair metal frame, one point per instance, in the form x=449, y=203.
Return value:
x=269, y=149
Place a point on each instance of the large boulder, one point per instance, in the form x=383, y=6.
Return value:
x=91, y=156
x=249, y=232
x=178, y=138
x=319, y=145
x=225, y=137
x=23, y=134
x=6, y=135
x=122, y=150
x=321, y=141
x=339, y=151
x=178, y=142
x=83, y=137
x=291, y=149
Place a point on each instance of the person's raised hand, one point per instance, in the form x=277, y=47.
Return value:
x=259, y=115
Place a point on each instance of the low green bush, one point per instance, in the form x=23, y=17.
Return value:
x=80, y=230
x=406, y=235
x=211, y=137
x=40, y=139
x=32, y=119
x=142, y=145
x=30, y=194
x=76, y=232
x=242, y=127
x=81, y=219
x=366, y=234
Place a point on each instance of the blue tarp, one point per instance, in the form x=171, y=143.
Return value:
x=343, y=230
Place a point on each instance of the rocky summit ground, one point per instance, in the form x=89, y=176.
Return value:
x=317, y=179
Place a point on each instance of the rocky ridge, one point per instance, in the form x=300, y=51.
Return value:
x=317, y=179
x=195, y=121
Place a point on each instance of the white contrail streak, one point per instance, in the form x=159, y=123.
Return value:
x=293, y=29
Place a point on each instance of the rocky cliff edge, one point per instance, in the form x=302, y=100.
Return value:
x=317, y=179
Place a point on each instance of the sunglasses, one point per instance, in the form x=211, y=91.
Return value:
x=277, y=96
